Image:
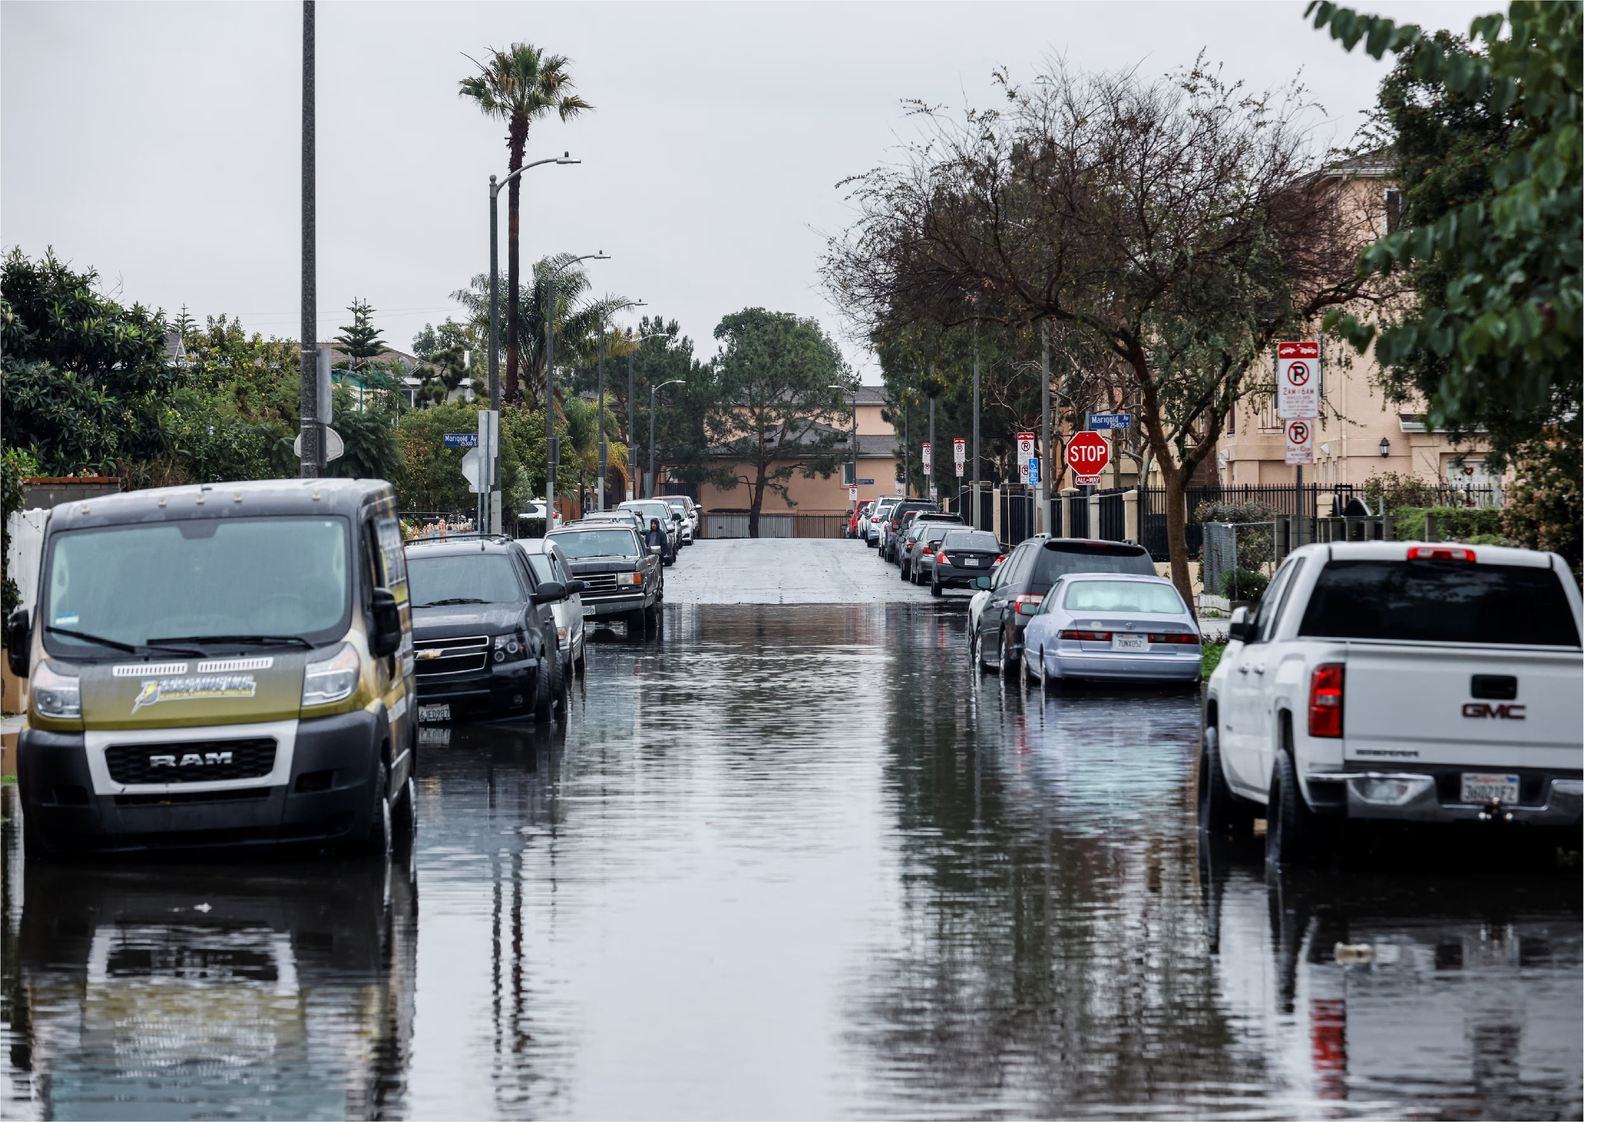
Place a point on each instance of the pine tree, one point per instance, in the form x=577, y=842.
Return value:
x=360, y=340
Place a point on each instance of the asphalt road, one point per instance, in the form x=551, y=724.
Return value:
x=788, y=571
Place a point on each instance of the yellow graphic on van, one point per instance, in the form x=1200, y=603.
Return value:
x=192, y=687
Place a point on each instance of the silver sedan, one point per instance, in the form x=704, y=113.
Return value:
x=1113, y=628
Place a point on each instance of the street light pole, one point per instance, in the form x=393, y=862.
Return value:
x=311, y=460
x=652, y=480
x=552, y=462
x=601, y=447
x=494, y=324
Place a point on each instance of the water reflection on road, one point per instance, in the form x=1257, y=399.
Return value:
x=797, y=861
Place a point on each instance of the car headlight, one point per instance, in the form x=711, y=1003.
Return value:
x=332, y=679
x=514, y=645
x=54, y=694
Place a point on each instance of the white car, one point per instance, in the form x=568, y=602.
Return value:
x=535, y=509
x=691, y=516
x=1403, y=681
x=868, y=524
x=550, y=564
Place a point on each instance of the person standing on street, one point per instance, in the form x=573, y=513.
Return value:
x=657, y=536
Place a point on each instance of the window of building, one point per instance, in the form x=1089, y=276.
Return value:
x=1391, y=210
x=1233, y=418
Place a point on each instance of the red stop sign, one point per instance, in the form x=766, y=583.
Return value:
x=1088, y=453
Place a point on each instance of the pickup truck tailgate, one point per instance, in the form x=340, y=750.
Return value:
x=1415, y=703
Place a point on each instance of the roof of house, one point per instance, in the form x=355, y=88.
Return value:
x=877, y=444
x=870, y=395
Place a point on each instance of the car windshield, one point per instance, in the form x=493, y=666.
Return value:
x=1123, y=596
x=1440, y=601
x=462, y=578
x=580, y=545
x=212, y=576
x=980, y=540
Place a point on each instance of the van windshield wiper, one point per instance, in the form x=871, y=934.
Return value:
x=117, y=644
x=453, y=600
x=294, y=640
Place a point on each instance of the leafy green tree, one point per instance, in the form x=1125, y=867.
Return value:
x=84, y=377
x=776, y=408
x=1488, y=148
x=519, y=86
x=682, y=447
x=371, y=445
x=429, y=476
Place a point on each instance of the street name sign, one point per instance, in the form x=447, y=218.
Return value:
x=1088, y=453
x=460, y=440
x=1299, y=375
x=866, y=482
x=1297, y=442
x=1111, y=420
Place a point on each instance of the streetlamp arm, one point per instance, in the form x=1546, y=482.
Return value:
x=537, y=163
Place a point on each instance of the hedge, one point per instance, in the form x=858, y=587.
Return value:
x=1455, y=523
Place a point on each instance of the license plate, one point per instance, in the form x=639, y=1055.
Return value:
x=973, y=561
x=433, y=713
x=1125, y=642
x=588, y=610
x=1483, y=787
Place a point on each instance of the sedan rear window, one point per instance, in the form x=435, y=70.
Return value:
x=1123, y=596
x=978, y=540
x=1442, y=602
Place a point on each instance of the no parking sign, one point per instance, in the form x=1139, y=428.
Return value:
x=1297, y=442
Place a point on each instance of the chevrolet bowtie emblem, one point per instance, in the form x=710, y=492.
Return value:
x=432, y=652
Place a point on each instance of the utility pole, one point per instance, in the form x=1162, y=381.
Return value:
x=552, y=449
x=494, y=336
x=977, y=461
x=1043, y=448
x=933, y=448
x=600, y=431
x=633, y=453
x=310, y=430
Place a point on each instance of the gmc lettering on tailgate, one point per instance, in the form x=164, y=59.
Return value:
x=1478, y=709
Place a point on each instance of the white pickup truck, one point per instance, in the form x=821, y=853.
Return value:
x=1407, y=681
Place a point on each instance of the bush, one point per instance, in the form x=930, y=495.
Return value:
x=1455, y=523
x=1488, y=539
x=1244, y=584
x=1544, y=504
x=1400, y=491
x=1255, y=544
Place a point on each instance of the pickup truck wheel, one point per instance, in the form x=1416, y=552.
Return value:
x=1219, y=812
x=1293, y=835
x=636, y=624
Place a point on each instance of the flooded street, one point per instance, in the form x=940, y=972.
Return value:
x=794, y=860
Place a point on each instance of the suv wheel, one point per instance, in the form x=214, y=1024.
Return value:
x=1008, y=653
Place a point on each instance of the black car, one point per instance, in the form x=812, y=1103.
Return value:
x=621, y=577
x=1020, y=585
x=485, y=638
x=963, y=556
x=925, y=530
x=893, y=528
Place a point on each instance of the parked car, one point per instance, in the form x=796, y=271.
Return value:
x=671, y=522
x=1019, y=588
x=1108, y=627
x=872, y=522
x=487, y=644
x=691, y=513
x=622, y=579
x=980, y=600
x=533, y=512
x=549, y=565
x=922, y=543
x=855, y=517
x=891, y=533
x=691, y=520
x=228, y=664
x=1398, y=681
x=965, y=555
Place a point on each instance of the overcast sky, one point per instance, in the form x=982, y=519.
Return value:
x=159, y=143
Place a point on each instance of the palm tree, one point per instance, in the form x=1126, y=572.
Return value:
x=517, y=86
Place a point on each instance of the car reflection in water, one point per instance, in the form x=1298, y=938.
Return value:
x=1422, y=985
x=164, y=990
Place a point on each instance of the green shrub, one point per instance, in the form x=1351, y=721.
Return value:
x=1488, y=539
x=1254, y=544
x=1400, y=491
x=1455, y=523
x=1244, y=584
x=1544, y=503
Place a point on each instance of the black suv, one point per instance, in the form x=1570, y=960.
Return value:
x=1020, y=585
x=621, y=577
x=892, y=528
x=485, y=639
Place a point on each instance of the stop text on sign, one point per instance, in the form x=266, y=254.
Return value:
x=1088, y=453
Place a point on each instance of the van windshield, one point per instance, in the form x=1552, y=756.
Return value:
x=198, y=577
x=462, y=578
x=1440, y=601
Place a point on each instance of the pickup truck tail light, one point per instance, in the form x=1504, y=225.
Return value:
x=1028, y=604
x=1326, y=716
x=1440, y=553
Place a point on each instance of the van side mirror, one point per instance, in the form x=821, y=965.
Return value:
x=17, y=639
x=1240, y=627
x=983, y=582
x=385, y=637
x=549, y=592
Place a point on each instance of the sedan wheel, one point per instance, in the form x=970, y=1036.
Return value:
x=936, y=588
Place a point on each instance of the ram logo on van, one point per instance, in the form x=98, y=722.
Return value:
x=191, y=759
x=1482, y=710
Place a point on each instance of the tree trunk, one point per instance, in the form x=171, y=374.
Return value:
x=519, y=142
x=756, y=494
